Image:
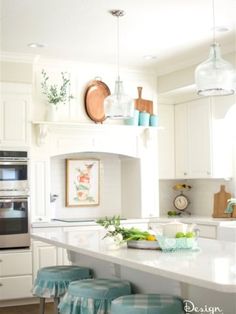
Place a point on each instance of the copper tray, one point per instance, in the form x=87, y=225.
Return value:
x=96, y=92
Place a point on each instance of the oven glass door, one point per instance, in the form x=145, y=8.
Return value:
x=16, y=171
x=13, y=216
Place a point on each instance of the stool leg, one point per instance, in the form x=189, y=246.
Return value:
x=42, y=306
x=56, y=303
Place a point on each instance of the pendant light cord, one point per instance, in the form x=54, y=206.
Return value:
x=118, y=48
x=213, y=21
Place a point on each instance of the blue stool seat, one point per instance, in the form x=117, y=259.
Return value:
x=147, y=304
x=52, y=282
x=92, y=296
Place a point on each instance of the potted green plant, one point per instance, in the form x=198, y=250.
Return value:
x=56, y=94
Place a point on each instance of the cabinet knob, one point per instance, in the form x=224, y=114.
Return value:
x=1, y=284
x=208, y=173
x=185, y=173
x=0, y=260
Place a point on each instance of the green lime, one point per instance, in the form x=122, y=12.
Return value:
x=190, y=235
x=180, y=235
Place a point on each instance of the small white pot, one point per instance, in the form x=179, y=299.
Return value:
x=52, y=113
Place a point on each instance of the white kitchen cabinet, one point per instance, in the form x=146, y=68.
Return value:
x=166, y=145
x=15, y=274
x=201, y=148
x=207, y=231
x=15, y=114
x=192, y=139
x=40, y=185
x=45, y=255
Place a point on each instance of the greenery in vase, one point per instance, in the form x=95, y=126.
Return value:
x=56, y=94
x=121, y=234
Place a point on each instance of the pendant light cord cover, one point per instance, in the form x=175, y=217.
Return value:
x=118, y=47
x=213, y=21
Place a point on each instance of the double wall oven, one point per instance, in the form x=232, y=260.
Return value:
x=14, y=200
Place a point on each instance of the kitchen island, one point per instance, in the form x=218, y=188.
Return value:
x=206, y=274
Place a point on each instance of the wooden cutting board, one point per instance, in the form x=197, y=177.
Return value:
x=220, y=203
x=143, y=104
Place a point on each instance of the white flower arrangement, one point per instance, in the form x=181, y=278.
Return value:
x=113, y=228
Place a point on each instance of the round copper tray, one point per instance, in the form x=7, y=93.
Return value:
x=96, y=92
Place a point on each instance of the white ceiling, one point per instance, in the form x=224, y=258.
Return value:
x=177, y=32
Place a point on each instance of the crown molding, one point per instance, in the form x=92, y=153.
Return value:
x=17, y=57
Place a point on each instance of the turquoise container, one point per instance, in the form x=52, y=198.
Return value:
x=153, y=120
x=134, y=120
x=144, y=118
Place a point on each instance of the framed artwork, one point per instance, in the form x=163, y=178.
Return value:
x=82, y=182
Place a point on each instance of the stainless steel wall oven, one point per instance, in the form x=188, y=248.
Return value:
x=14, y=200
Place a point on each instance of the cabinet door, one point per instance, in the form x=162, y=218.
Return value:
x=39, y=187
x=181, y=141
x=43, y=255
x=199, y=138
x=14, y=118
x=15, y=287
x=193, y=139
x=9, y=267
x=166, y=151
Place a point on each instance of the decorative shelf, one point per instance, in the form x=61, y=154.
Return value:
x=43, y=128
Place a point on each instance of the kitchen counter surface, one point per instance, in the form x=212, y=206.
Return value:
x=213, y=266
x=164, y=219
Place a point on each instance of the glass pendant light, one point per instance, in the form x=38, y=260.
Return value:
x=215, y=76
x=118, y=105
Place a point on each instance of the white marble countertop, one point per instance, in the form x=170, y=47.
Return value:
x=164, y=219
x=213, y=266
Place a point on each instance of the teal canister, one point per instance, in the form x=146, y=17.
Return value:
x=134, y=120
x=144, y=118
x=153, y=120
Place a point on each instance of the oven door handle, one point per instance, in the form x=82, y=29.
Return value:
x=11, y=200
x=13, y=163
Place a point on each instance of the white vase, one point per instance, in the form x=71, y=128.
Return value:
x=111, y=244
x=52, y=113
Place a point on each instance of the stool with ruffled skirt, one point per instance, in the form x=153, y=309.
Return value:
x=93, y=296
x=53, y=282
x=147, y=304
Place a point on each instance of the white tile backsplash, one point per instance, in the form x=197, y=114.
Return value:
x=201, y=195
x=110, y=187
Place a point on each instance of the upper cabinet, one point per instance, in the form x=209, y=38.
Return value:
x=166, y=147
x=194, y=140
x=15, y=114
x=201, y=147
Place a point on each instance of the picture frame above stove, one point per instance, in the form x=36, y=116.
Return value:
x=82, y=182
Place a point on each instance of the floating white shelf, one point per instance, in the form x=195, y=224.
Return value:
x=43, y=128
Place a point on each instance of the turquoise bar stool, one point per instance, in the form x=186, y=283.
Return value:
x=53, y=282
x=93, y=296
x=147, y=304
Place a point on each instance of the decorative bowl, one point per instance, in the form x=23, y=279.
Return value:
x=143, y=244
x=174, y=244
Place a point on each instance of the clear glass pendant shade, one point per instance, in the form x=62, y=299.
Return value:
x=215, y=76
x=119, y=105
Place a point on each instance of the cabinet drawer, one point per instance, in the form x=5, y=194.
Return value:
x=12, y=264
x=207, y=231
x=15, y=287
